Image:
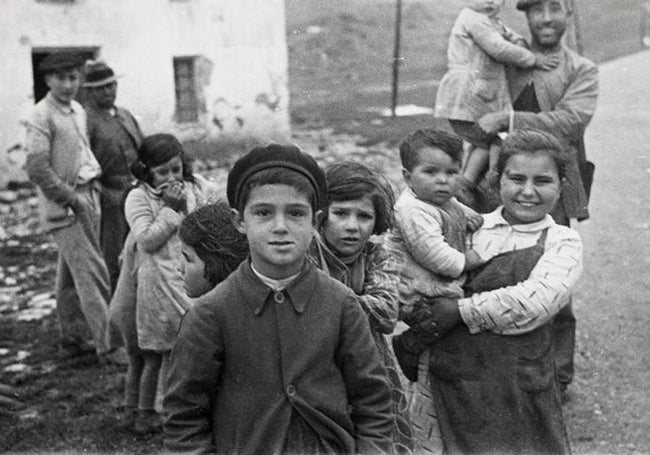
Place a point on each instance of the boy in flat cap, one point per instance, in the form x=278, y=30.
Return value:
x=279, y=357
x=61, y=164
x=561, y=102
x=114, y=139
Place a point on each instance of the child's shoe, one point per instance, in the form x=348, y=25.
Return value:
x=408, y=361
x=127, y=418
x=117, y=356
x=147, y=421
x=73, y=348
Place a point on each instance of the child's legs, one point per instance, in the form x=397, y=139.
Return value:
x=162, y=381
x=149, y=380
x=495, y=150
x=476, y=164
x=132, y=380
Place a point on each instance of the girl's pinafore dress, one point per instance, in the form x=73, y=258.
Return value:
x=498, y=393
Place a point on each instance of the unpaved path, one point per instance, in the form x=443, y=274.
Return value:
x=610, y=409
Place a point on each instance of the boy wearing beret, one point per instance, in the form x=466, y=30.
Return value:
x=278, y=358
x=61, y=164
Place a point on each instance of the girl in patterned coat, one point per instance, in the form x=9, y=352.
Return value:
x=359, y=204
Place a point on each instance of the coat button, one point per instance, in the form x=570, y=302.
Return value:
x=291, y=390
x=278, y=297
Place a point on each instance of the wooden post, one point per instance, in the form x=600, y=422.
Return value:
x=396, y=57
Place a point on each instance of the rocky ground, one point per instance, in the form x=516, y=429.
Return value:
x=70, y=404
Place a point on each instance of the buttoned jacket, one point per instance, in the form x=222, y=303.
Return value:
x=567, y=97
x=55, y=135
x=114, y=139
x=248, y=357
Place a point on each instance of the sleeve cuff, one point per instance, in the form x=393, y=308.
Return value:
x=470, y=317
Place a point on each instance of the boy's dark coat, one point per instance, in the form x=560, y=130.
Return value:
x=245, y=360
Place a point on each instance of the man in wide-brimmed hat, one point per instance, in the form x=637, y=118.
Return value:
x=114, y=138
x=560, y=101
x=61, y=164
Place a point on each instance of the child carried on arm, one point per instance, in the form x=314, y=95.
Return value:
x=480, y=46
x=431, y=226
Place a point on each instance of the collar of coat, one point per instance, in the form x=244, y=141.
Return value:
x=67, y=109
x=495, y=219
x=257, y=295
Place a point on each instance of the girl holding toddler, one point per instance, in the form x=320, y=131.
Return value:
x=492, y=380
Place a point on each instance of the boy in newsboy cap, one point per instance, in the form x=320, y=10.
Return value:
x=61, y=164
x=274, y=359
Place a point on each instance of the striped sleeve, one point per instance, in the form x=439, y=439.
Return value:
x=532, y=303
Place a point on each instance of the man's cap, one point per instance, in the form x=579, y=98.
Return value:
x=60, y=61
x=523, y=5
x=276, y=155
x=98, y=73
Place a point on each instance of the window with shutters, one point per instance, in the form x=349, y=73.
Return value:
x=187, y=103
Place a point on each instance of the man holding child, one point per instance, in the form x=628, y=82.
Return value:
x=560, y=101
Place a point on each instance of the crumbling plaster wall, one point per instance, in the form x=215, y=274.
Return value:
x=242, y=75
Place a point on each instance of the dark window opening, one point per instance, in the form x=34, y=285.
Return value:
x=185, y=80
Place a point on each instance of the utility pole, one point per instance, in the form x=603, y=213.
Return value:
x=396, y=57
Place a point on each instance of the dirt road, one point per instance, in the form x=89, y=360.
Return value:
x=610, y=409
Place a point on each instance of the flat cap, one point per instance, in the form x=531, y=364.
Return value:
x=523, y=5
x=59, y=61
x=276, y=155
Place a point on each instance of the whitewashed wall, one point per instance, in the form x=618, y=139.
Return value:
x=246, y=94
